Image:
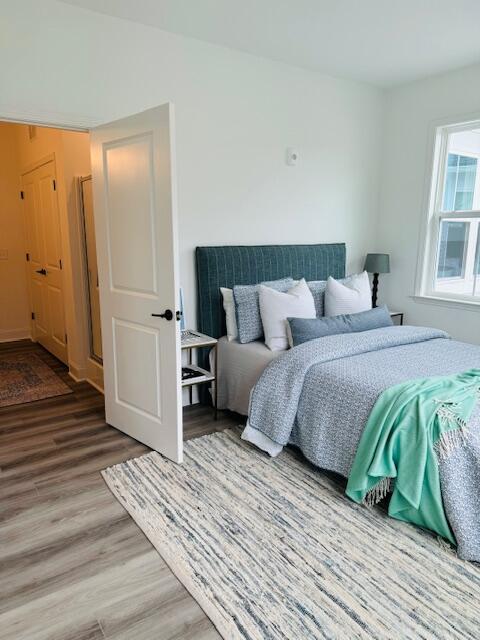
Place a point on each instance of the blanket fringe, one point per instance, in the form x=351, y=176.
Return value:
x=451, y=440
x=378, y=492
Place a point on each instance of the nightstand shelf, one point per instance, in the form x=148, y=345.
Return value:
x=397, y=314
x=195, y=340
x=206, y=376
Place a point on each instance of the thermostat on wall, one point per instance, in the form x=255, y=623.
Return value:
x=292, y=156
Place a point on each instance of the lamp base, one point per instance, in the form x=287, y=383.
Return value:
x=374, y=290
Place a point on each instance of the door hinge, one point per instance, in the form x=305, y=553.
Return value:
x=22, y=195
x=54, y=185
x=66, y=339
x=27, y=257
x=60, y=263
x=33, y=315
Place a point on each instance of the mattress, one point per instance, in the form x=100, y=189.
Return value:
x=239, y=367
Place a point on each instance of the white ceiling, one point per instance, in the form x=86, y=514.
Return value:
x=383, y=42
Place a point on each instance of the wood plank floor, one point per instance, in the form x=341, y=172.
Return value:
x=73, y=564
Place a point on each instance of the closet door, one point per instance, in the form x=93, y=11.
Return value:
x=44, y=247
x=36, y=258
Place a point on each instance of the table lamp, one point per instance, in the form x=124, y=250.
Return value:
x=376, y=263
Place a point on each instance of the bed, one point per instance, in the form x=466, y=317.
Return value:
x=239, y=368
x=319, y=395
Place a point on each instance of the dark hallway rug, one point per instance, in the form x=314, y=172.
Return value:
x=26, y=378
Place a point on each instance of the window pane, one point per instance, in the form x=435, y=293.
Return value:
x=459, y=183
x=451, y=249
x=450, y=182
x=467, y=170
x=461, y=189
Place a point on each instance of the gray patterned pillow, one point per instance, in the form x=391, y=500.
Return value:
x=305, y=329
x=247, y=309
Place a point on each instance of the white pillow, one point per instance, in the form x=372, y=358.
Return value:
x=352, y=296
x=229, y=306
x=276, y=307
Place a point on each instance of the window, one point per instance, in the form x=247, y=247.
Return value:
x=452, y=262
x=459, y=183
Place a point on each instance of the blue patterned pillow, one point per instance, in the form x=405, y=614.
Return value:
x=317, y=287
x=247, y=309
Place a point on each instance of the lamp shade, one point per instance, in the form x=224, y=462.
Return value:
x=377, y=263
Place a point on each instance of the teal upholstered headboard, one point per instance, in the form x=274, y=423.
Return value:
x=227, y=266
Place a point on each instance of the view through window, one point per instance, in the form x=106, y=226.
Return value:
x=456, y=217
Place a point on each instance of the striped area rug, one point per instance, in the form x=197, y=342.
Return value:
x=272, y=549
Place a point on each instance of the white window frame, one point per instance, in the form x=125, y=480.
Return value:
x=428, y=258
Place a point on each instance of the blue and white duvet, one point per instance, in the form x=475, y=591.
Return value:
x=319, y=395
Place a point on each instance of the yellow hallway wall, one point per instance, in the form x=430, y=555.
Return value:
x=14, y=304
x=72, y=159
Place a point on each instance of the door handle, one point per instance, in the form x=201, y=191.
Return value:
x=168, y=315
x=42, y=271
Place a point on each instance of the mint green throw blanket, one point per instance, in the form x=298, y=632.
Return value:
x=411, y=426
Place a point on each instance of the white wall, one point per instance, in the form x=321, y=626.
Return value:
x=235, y=115
x=411, y=113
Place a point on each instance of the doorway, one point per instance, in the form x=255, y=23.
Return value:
x=125, y=314
x=42, y=278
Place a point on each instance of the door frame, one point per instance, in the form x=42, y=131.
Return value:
x=39, y=163
x=94, y=374
x=80, y=180
x=53, y=119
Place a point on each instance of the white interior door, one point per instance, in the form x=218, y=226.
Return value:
x=133, y=168
x=44, y=248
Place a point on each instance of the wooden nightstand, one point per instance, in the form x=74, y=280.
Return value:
x=397, y=314
x=191, y=340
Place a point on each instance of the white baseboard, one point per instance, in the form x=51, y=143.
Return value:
x=95, y=374
x=96, y=386
x=79, y=374
x=92, y=373
x=11, y=335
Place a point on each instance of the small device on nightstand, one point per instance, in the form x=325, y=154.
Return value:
x=193, y=374
x=397, y=314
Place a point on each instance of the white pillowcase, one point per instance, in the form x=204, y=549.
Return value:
x=231, y=319
x=351, y=296
x=276, y=307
